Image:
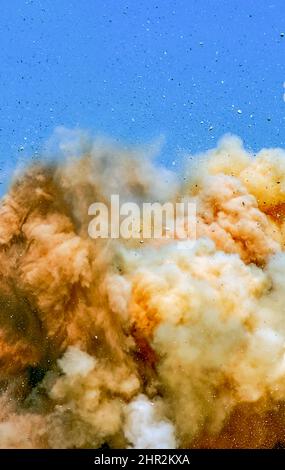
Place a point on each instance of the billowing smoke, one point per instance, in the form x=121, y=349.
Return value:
x=143, y=343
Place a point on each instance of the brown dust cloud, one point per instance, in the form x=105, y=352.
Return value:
x=143, y=343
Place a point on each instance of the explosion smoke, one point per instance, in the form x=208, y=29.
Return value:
x=129, y=344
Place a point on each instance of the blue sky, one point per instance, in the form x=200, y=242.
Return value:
x=135, y=70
